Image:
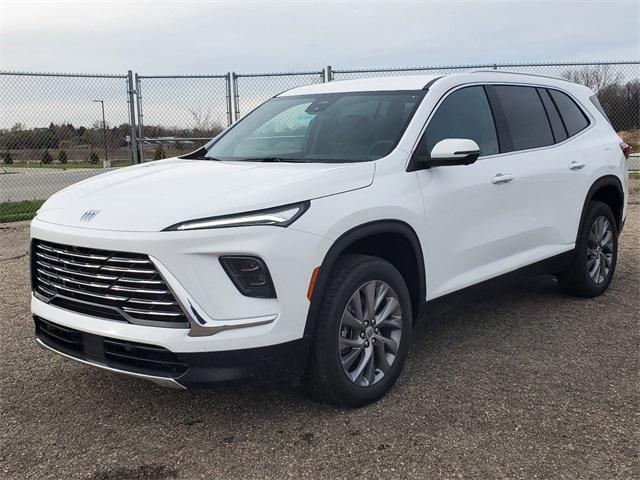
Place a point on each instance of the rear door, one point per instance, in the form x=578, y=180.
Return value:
x=545, y=193
x=581, y=155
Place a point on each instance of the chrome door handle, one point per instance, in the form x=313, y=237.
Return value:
x=577, y=165
x=501, y=178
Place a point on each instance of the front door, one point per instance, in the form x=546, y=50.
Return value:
x=468, y=216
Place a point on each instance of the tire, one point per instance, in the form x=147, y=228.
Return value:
x=339, y=371
x=593, y=250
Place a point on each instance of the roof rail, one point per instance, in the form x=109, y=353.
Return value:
x=519, y=73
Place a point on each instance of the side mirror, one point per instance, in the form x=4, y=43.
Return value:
x=452, y=151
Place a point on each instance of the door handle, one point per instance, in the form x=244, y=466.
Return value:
x=501, y=178
x=577, y=165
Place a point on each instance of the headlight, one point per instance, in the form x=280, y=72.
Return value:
x=279, y=217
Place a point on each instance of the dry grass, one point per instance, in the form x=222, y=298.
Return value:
x=631, y=137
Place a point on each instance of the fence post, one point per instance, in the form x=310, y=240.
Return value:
x=140, y=144
x=133, y=143
x=328, y=73
x=235, y=97
x=227, y=80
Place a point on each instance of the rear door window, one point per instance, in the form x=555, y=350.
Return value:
x=525, y=116
x=574, y=119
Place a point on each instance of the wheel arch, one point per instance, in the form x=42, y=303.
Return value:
x=607, y=189
x=361, y=239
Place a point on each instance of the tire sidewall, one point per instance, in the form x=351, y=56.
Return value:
x=330, y=370
x=597, y=209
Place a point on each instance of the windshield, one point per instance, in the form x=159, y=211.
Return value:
x=336, y=127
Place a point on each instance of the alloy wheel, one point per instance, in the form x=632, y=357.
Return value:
x=600, y=250
x=370, y=332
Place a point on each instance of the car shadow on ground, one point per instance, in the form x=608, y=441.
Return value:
x=476, y=314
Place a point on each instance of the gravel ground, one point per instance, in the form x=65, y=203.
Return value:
x=527, y=383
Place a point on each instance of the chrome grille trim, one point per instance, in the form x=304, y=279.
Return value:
x=75, y=272
x=136, y=280
x=71, y=254
x=128, y=270
x=150, y=302
x=111, y=285
x=127, y=260
x=80, y=292
x=66, y=262
x=71, y=280
x=139, y=290
x=150, y=312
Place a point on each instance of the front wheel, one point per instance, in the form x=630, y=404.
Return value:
x=363, y=332
x=595, y=256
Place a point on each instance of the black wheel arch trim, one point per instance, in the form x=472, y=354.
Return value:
x=605, y=181
x=341, y=244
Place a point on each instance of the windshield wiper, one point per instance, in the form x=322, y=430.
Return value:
x=273, y=159
x=201, y=157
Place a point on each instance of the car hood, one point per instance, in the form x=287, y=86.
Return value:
x=151, y=196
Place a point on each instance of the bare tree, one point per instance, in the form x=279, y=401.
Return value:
x=202, y=122
x=596, y=77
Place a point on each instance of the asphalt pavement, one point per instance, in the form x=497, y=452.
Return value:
x=526, y=383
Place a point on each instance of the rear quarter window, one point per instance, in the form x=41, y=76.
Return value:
x=597, y=104
x=573, y=117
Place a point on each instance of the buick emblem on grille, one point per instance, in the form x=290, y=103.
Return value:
x=88, y=215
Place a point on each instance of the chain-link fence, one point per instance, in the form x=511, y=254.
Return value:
x=253, y=89
x=617, y=84
x=53, y=132
x=177, y=114
x=57, y=129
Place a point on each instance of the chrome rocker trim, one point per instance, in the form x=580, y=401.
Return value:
x=162, y=381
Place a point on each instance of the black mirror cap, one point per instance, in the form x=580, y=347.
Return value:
x=425, y=161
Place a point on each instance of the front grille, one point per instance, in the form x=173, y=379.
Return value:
x=120, y=354
x=112, y=285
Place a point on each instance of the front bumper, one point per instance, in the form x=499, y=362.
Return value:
x=220, y=317
x=183, y=370
x=241, y=338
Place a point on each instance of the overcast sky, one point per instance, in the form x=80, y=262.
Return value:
x=175, y=37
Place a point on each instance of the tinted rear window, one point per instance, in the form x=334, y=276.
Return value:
x=597, y=104
x=574, y=119
x=525, y=116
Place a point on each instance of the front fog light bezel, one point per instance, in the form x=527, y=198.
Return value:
x=240, y=278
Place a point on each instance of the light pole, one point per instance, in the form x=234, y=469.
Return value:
x=104, y=133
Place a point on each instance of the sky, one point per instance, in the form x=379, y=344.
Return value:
x=207, y=37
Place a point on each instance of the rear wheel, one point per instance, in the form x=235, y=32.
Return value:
x=363, y=332
x=594, y=261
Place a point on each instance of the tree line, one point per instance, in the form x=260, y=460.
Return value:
x=620, y=100
x=68, y=136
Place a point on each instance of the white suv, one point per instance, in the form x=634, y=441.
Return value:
x=301, y=241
